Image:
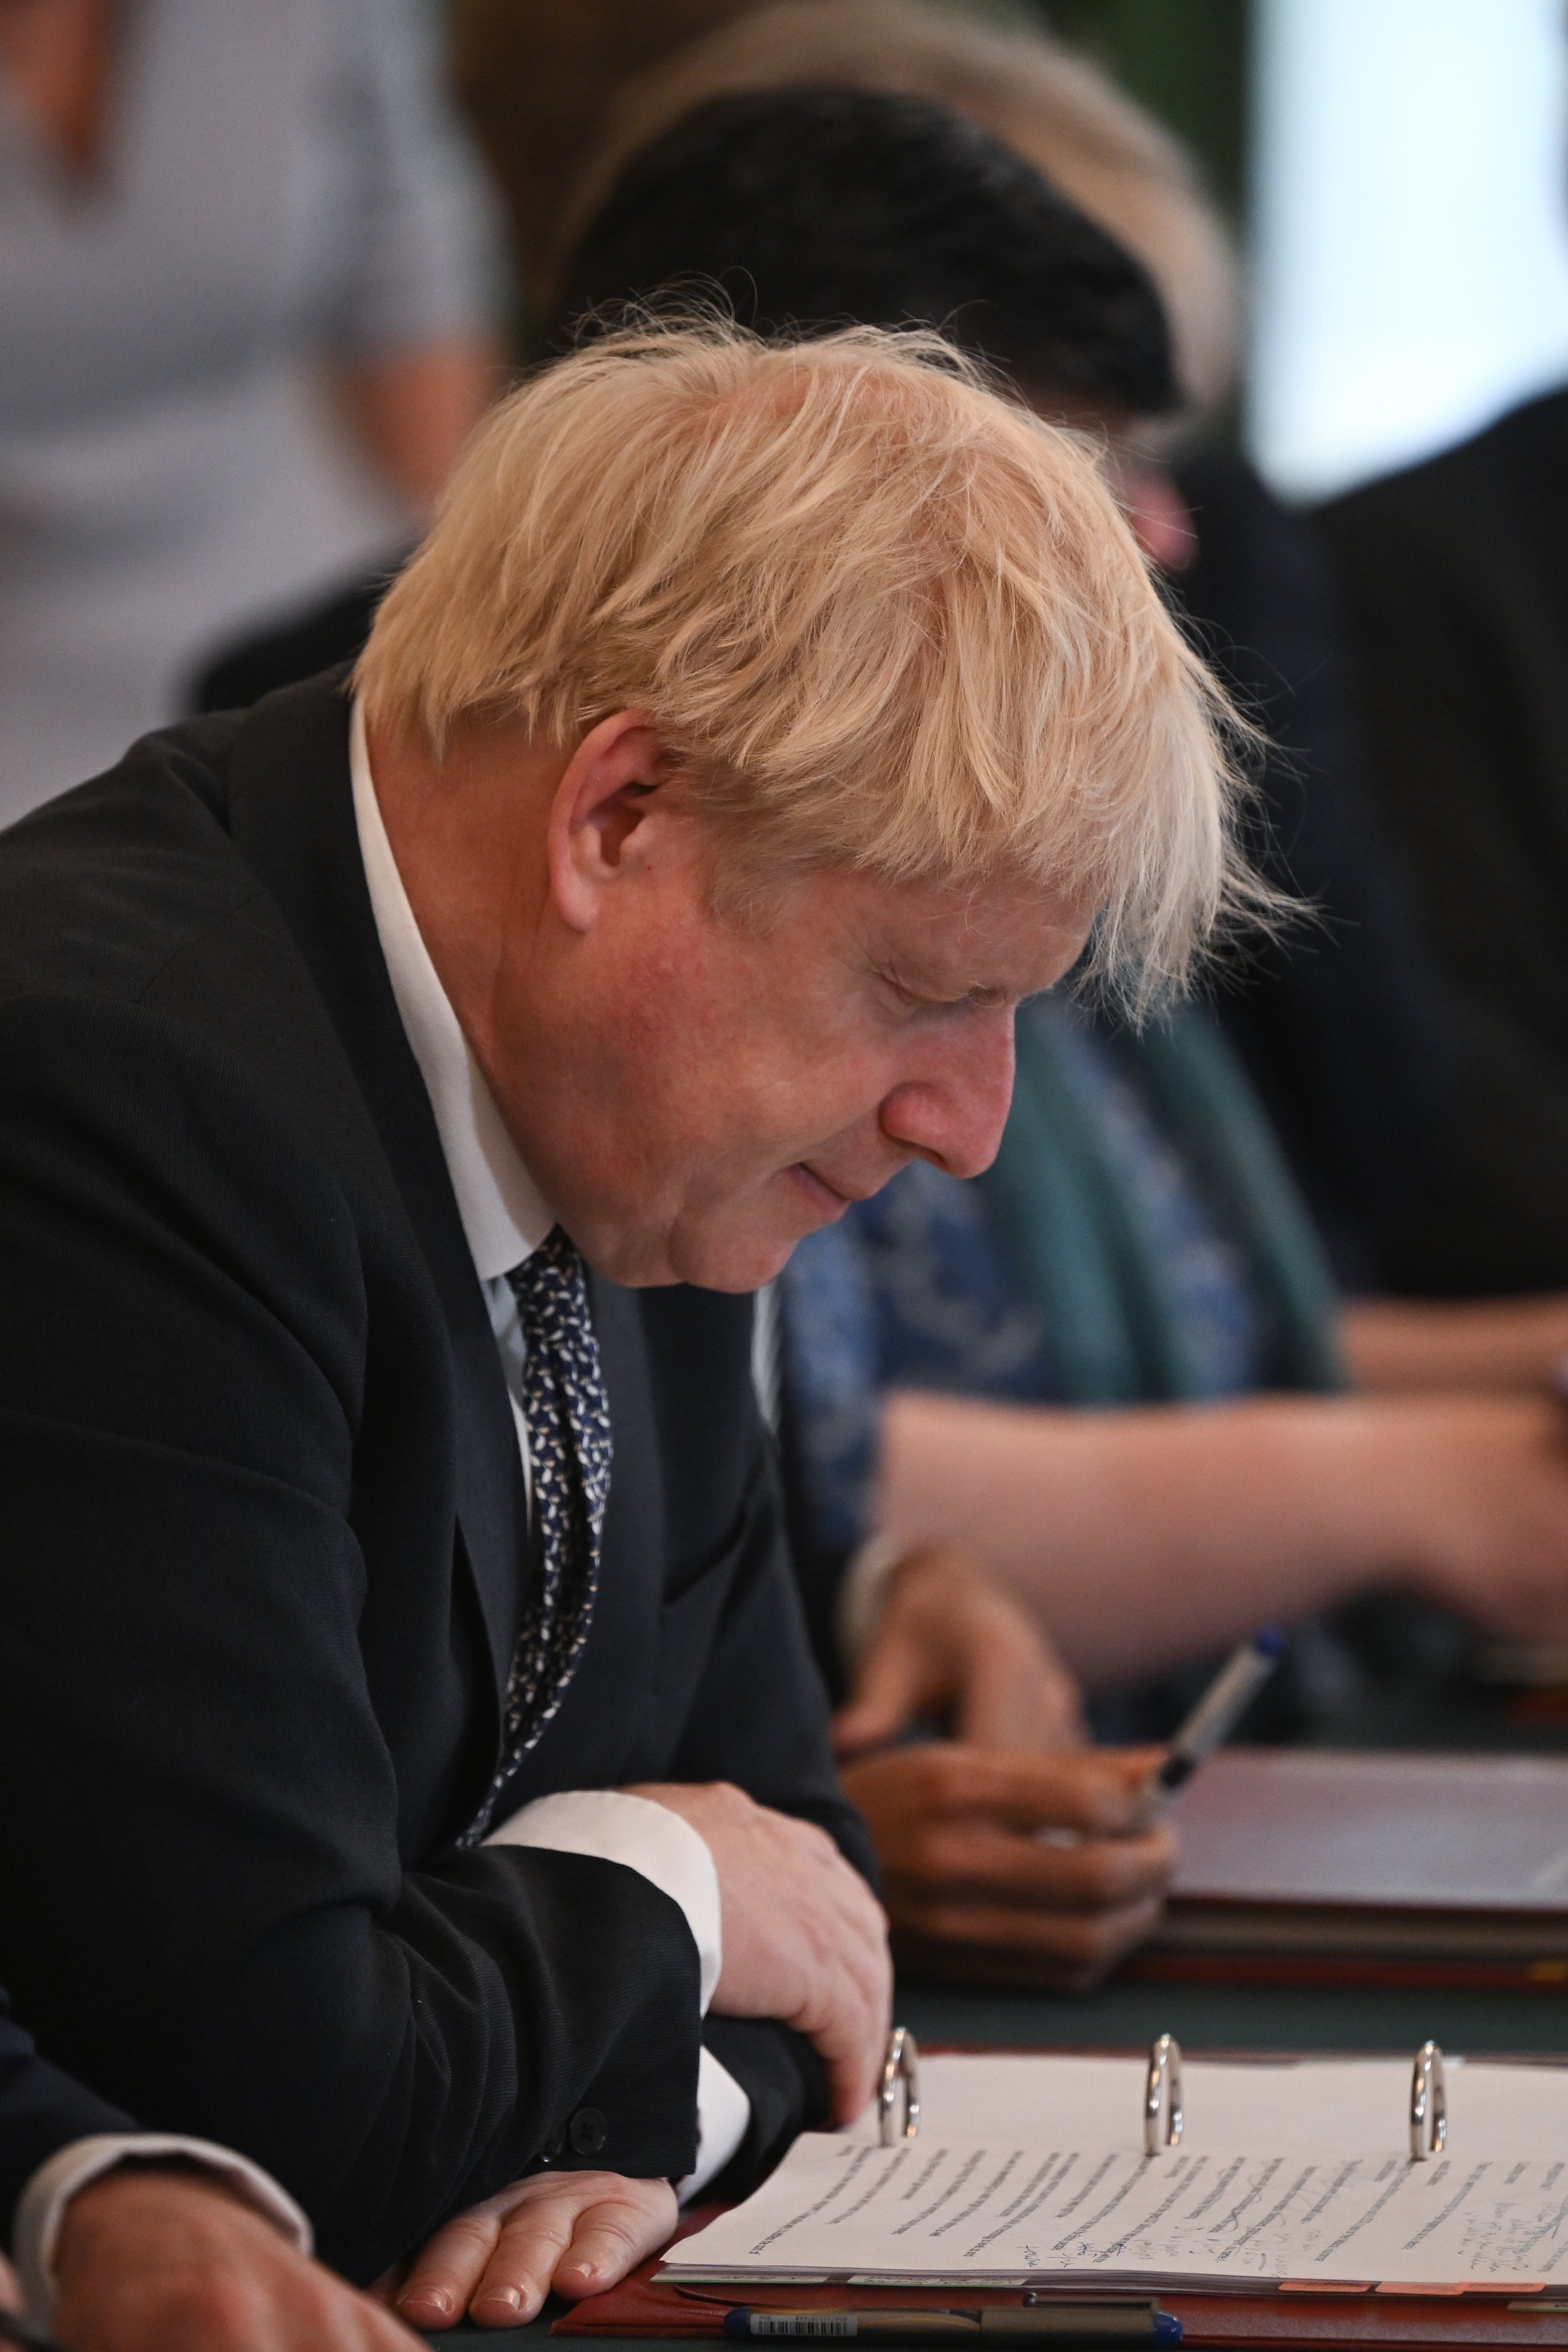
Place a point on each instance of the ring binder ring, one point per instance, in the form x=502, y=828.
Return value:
x=1162, y=2096
x=901, y=2064
x=1428, y=2105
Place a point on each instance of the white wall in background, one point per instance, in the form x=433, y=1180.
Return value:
x=1410, y=240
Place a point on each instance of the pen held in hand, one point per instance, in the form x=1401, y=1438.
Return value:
x=1218, y=1712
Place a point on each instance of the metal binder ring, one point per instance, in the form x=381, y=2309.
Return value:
x=1162, y=2096
x=901, y=2064
x=1428, y=2105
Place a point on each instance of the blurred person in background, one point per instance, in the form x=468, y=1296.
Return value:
x=1454, y=579
x=247, y=289
x=1340, y=1028
x=1139, y=1242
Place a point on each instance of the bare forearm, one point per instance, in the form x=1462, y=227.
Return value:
x=1152, y=1535
x=411, y=411
x=1415, y=1345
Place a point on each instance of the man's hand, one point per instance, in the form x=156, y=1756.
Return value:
x=1038, y=1870
x=577, y=2232
x=805, y=1939
x=954, y=1646
x=154, y=2261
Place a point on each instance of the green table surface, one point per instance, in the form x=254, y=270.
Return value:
x=1129, y=2013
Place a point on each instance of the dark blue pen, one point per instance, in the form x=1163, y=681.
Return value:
x=1106, y=2321
x=1219, y=1711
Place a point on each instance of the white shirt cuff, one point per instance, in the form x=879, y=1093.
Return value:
x=860, y=1595
x=643, y=1835
x=42, y=2205
x=724, y=2113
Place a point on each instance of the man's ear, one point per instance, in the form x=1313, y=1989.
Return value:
x=601, y=801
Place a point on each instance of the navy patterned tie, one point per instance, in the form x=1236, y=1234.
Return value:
x=568, y=1417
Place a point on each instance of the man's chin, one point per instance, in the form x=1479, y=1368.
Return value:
x=745, y=1257
x=742, y=1267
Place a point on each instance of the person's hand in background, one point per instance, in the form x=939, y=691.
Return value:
x=1000, y=1866
x=1486, y=1479
x=1009, y=1851
x=951, y=1647
x=154, y=2259
x=574, y=2233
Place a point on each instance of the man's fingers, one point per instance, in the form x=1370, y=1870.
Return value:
x=849, y=1993
x=847, y=2024
x=612, y=2237
x=442, y=2276
x=578, y=2232
x=516, y=2279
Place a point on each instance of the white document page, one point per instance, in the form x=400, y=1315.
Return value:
x=947, y=2210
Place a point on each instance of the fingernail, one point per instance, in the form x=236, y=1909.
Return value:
x=429, y=2298
x=505, y=2298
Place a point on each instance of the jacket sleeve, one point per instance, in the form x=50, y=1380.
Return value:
x=208, y=1911
x=41, y=2111
x=759, y=1717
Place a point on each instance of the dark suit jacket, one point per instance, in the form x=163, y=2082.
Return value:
x=262, y=1517
x=1455, y=575
x=41, y=2111
x=1342, y=1024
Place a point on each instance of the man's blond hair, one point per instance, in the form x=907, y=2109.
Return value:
x=883, y=618
x=1034, y=94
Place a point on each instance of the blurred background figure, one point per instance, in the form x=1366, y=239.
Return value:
x=1139, y=1241
x=1455, y=574
x=1343, y=1030
x=1401, y=175
x=248, y=308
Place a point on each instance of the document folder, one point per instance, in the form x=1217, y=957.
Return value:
x=1401, y=2202
x=1319, y=1853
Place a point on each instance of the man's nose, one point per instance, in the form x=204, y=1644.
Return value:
x=953, y=1111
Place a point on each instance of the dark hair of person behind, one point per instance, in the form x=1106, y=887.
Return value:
x=812, y=208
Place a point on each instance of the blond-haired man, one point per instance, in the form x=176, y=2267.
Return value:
x=416, y=1775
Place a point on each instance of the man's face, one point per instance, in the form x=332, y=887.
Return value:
x=697, y=1092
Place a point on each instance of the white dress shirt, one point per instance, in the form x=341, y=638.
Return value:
x=505, y=1217
x=41, y=2208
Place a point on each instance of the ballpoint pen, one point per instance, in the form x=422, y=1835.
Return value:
x=1217, y=1712
x=1105, y=2320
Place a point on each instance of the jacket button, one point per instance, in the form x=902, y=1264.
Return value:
x=586, y=2131
x=553, y=2148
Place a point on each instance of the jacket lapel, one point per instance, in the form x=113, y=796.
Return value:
x=292, y=814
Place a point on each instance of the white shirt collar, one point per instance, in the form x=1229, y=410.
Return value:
x=504, y=1214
